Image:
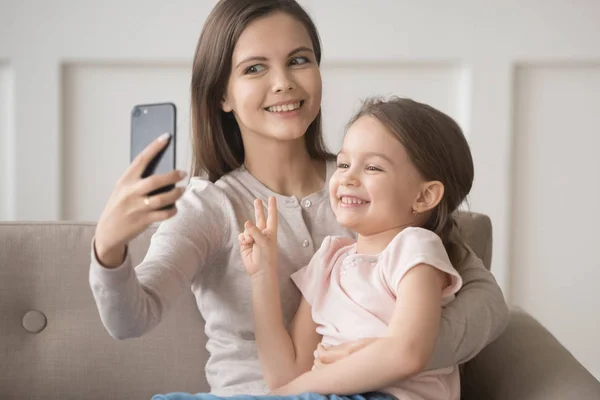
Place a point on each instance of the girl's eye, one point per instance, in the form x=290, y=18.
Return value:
x=373, y=168
x=253, y=69
x=342, y=165
x=299, y=61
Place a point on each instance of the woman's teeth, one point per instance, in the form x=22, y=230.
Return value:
x=285, y=107
x=352, y=200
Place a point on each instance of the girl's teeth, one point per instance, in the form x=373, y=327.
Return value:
x=285, y=107
x=352, y=200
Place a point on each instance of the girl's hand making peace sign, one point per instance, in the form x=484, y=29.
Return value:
x=258, y=242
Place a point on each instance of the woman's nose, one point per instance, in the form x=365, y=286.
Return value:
x=283, y=82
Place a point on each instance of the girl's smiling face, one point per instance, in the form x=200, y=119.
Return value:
x=375, y=185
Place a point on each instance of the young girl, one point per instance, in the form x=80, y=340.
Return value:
x=256, y=128
x=404, y=168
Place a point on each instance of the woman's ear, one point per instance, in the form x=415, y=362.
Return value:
x=430, y=196
x=225, y=105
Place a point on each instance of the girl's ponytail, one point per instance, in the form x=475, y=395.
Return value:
x=445, y=225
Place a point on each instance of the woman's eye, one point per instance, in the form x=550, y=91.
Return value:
x=342, y=165
x=253, y=69
x=299, y=60
x=373, y=168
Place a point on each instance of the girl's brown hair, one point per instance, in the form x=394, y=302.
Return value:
x=216, y=137
x=439, y=150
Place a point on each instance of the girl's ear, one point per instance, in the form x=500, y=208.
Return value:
x=430, y=196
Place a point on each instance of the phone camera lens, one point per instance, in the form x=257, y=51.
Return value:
x=136, y=112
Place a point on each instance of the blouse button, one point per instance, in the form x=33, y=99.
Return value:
x=305, y=243
x=307, y=203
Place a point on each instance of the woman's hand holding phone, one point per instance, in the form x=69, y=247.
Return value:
x=130, y=210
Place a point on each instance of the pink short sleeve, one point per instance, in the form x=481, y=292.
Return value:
x=314, y=278
x=412, y=247
x=302, y=279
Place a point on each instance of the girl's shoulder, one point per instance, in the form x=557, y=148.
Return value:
x=333, y=247
x=412, y=247
x=336, y=243
x=415, y=233
x=415, y=240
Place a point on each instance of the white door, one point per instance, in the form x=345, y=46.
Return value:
x=522, y=78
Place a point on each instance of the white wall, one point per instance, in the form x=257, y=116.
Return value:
x=521, y=77
x=97, y=103
x=7, y=173
x=555, y=202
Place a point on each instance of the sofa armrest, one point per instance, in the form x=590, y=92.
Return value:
x=527, y=363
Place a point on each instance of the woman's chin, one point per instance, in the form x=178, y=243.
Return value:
x=287, y=130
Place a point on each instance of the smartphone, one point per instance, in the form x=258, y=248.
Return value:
x=148, y=122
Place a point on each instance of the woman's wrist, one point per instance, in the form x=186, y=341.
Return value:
x=110, y=257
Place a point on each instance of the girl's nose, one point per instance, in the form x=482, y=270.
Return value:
x=348, y=179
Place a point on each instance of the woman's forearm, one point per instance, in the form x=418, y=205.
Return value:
x=475, y=318
x=275, y=346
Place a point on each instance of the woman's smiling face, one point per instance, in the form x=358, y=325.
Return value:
x=274, y=89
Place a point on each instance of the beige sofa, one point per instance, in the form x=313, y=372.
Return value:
x=53, y=345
